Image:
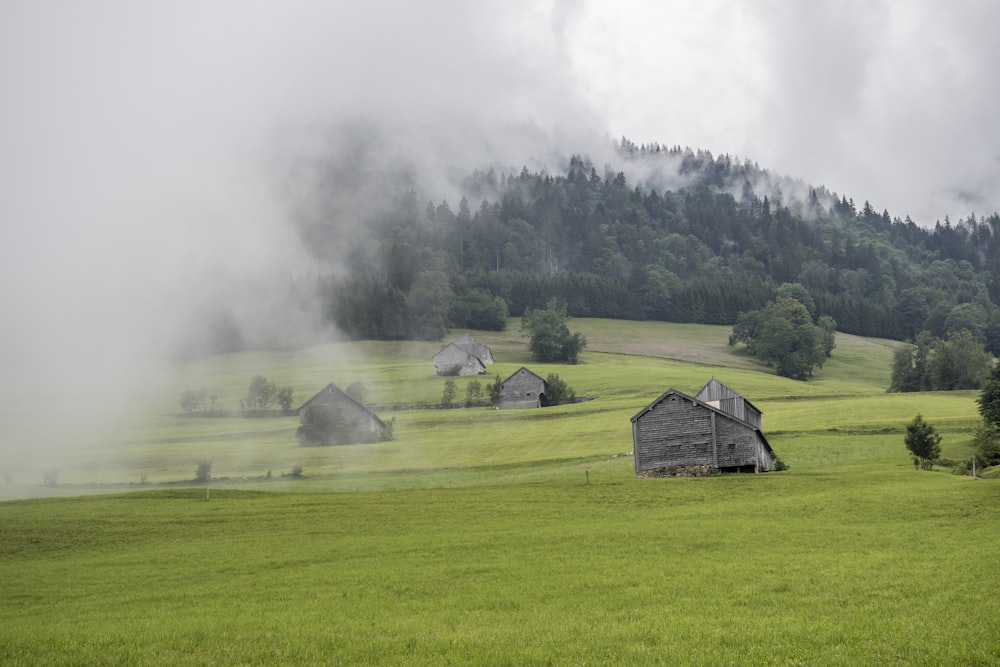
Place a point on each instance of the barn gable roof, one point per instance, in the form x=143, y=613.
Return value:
x=460, y=350
x=470, y=345
x=707, y=406
x=341, y=395
x=714, y=390
x=526, y=370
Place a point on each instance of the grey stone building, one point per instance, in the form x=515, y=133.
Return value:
x=523, y=389
x=465, y=356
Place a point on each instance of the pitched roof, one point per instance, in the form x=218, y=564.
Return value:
x=526, y=370
x=715, y=390
x=473, y=346
x=337, y=391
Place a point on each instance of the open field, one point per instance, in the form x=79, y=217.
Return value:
x=509, y=537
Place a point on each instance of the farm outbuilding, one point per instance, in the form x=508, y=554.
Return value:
x=363, y=420
x=523, y=389
x=717, y=430
x=464, y=356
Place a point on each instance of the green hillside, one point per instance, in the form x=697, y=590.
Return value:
x=480, y=536
x=627, y=365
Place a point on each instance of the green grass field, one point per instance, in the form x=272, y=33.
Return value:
x=508, y=537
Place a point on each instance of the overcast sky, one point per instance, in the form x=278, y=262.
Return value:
x=141, y=142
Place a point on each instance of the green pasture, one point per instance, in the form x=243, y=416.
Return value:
x=628, y=365
x=521, y=537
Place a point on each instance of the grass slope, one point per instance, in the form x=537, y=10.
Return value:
x=514, y=537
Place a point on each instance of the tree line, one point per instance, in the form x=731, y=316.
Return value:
x=608, y=246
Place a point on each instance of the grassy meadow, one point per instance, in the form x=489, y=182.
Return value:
x=521, y=537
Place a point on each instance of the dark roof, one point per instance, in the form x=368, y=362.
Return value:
x=707, y=406
x=342, y=395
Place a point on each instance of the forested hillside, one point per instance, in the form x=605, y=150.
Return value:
x=688, y=237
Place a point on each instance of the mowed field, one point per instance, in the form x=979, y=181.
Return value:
x=480, y=536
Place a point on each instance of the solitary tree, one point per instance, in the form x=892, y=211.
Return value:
x=448, y=395
x=549, y=335
x=284, y=397
x=783, y=334
x=473, y=392
x=923, y=441
x=203, y=473
x=260, y=393
x=193, y=399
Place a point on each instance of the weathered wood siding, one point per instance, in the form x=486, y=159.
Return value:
x=765, y=457
x=523, y=389
x=737, y=407
x=737, y=445
x=674, y=432
x=725, y=399
x=678, y=431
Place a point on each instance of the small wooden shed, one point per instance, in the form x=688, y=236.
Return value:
x=364, y=420
x=523, y=389
x=464, y=356
x=715, y=431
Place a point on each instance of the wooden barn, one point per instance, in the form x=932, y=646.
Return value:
x=365, y=422
x=465, y=356
x=715, y=431
x=523, y=389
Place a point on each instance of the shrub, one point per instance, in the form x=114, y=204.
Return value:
x=557, y=391
x=203, y=473
x=192, y=399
